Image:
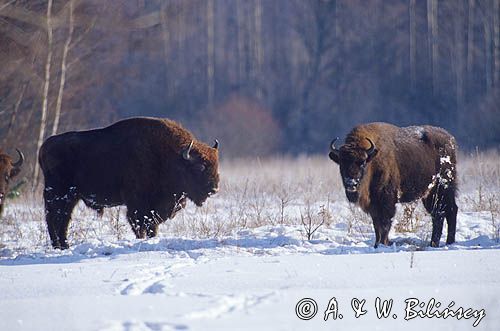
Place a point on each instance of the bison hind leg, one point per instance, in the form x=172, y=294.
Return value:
x=451, y=216
x=58, y=208
x=440, y=203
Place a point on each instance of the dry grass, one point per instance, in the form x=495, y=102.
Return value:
x=304, y=192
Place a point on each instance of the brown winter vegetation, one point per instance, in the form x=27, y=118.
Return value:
x=300, y=193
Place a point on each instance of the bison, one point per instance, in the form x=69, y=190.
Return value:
x=8, y=170
x=382, y=164
x=150, y=165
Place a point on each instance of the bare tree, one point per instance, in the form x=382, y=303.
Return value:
x=166, y=38
x=487, y=51
x=496, y=42
x=257, y=48
x=45, y=95
x=16, y=109
x=459, y=57
x=210, y=52
x=62, y=81
x=470, y=39
x=240, y=21
x=432, y=23
x=413, y=46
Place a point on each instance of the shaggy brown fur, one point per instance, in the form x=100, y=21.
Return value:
x=137, y=162
x=8, y=170
x=382, y=164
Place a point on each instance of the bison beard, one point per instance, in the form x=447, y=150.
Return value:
x=381, y=165
x=150, y=165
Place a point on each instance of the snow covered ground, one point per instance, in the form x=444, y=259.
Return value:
x=242, y=262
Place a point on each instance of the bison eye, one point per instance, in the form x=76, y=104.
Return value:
x=200, y=167
x=6, y=178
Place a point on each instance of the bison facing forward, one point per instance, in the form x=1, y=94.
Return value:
x=8, y=170
x=382, y=164
x=149, y=165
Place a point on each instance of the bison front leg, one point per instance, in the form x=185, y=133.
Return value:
x=144, y=223
x=136, y=219
x=382, y=229
x=382, y=221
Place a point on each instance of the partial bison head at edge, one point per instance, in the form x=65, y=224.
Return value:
x=8, y=170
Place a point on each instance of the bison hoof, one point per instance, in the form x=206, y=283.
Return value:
x=387, y=244
x=60, y=246
x=434, y=244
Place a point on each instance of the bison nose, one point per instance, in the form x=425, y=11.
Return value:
x=213, y=190
x=351, y=184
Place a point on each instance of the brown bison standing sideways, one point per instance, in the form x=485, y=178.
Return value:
x=149, y=165
x=8, y=170
x=382, y=164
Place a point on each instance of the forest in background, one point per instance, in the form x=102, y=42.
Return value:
x=263, y=76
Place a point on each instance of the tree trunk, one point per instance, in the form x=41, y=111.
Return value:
x=459, y=57
x=60, y=93
x=487, y=54
x=496, y=43
x=16, y=109
x=210, y=52
x=241, y=40
x=258, y=54
x=165, y=33
x=413, y=46
x=432, y=24
x=470, y=42
x=45, y=95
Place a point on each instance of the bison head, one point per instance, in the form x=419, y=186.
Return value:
x=352, y=159
x=201, y=164
x=8, y=170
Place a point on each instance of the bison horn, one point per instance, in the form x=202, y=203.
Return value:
x=216, y=144
x=332, y=145
x=370, y=150
x=186, y=152
x=19, y=162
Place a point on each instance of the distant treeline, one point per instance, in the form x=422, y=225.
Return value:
x=280, y=76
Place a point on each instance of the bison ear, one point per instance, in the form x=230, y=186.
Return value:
x=334, y=152
x=334, y=156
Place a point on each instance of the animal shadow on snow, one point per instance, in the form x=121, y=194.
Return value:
x=195, y=248
x=192, y=248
